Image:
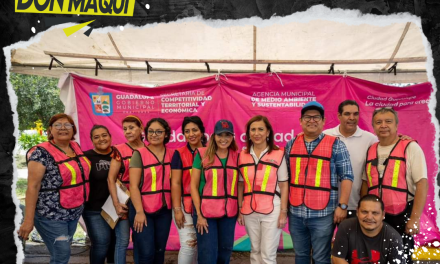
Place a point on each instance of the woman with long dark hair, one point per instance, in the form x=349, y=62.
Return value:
x=181, y=167
x=150, y=188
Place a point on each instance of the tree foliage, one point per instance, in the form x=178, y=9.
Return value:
x=38, y=99
x=27, y=141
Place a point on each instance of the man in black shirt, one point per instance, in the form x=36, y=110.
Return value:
x=367, y=239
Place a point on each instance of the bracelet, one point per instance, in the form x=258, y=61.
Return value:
x=284, y=210
x=177, y=209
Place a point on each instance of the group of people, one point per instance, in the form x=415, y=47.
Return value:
x=319, y=179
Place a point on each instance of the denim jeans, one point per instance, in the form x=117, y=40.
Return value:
x=216, y=245
x=308, y=233
x=57, y=236
x=100, y=234
x=187, y=237
x=149, y=245
x=122, y=231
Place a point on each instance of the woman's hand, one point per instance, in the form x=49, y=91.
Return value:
x=202, y=224
x=139, y=221
x=25, y=229
x=179, y=218
x=282, y=219
x=120, y=208
x=240, y=218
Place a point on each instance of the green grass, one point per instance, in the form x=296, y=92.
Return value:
x=21, y=161
x=21, y=188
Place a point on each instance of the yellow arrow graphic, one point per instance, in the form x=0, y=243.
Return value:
x=70, y=30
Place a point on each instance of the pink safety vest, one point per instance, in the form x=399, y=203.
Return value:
x=125, y=151
x=260, y=181
x=219, y=195
x=74, y=172
x=187, y=160
x=155, y=186
x=392, y=188
x=310, y=175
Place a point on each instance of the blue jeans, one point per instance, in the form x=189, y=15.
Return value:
x=311, y=233
x=100, y=234
x=57, y=235
x=122, y=230
x=216, y=245
x=149, y=245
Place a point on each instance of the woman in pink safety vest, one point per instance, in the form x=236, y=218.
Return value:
x=181, y=168
x=119, y=170
x=150, y=188
x=58, y=187
x=263, y=190
x=214, y=180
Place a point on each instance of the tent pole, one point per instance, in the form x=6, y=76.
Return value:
x=306, y=62
x=396, y=49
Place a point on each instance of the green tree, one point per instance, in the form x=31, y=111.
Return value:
x=38, y=99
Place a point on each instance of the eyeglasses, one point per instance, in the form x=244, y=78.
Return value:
x=157, y=132
x=384, y=110
x=67, y=126
x=315, y=118
x=386, y=107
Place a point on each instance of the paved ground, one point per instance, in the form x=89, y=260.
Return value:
x=36, y=253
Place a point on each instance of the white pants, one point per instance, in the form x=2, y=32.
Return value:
x=264, y=235
x=187, y=236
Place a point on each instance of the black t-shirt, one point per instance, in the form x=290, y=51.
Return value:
x=355, y=247
x=98, y=179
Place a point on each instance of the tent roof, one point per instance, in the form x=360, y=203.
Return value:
x=311, y=48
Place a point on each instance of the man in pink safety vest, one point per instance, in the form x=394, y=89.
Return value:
x=395, y=170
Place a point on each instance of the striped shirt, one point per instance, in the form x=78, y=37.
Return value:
x=340, y=168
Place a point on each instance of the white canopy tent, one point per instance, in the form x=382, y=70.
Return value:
x=178, y=51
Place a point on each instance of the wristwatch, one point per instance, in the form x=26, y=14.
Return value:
x=343, y=206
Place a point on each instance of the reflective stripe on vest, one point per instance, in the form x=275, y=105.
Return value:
x=126, y=152
x=258, y=197
x=187, y=160
x=74, y=172
x=155, y=186
x=311, y=184
x=392, y=188
x=219, y=196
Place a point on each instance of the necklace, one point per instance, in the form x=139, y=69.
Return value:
x=58, y=147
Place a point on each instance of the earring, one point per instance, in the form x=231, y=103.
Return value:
x=267, y=139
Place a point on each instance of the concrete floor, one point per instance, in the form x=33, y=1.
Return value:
x=36, y=253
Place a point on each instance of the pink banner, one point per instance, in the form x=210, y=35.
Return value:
x=238, y=97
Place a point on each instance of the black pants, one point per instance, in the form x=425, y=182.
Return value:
x=398, y=222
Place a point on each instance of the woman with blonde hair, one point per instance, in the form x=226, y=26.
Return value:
x=214, y=193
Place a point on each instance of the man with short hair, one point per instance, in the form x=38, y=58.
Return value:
x=396, y=171
x=357, y=142
x=367, y=239
x=316, y=162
